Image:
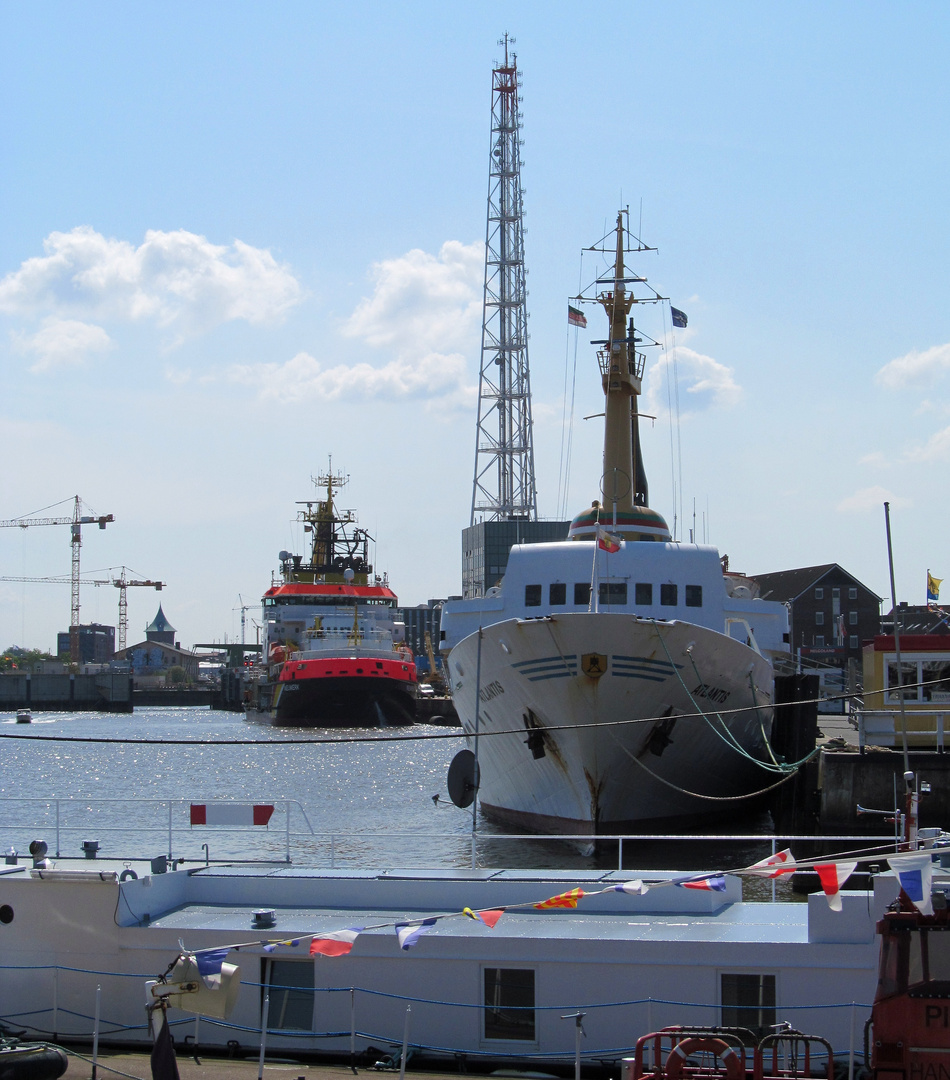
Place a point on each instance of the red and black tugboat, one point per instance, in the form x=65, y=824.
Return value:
x=334, y=652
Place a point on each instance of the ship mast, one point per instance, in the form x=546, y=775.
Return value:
x=622, y=383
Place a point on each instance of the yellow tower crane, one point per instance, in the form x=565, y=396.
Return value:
x=75, y=538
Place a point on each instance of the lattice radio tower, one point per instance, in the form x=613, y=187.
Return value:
x=504, y=488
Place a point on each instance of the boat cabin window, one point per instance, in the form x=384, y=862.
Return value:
x=693, y=595
x=582, y=593
x=668, y=594
x=644, y=593
x=291, y=994
x=612, y=593
x=557, y=593
x=509, y=1004
x=532, y=596
x=748, y=1001
x=917, y=960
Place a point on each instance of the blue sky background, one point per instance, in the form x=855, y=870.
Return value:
x=237, y=239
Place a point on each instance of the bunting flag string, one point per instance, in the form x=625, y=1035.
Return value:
x=914, y=871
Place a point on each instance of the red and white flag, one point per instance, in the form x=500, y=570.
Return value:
x=607, y=541
x=832, y=876
x=782, y=862
x=337, y=943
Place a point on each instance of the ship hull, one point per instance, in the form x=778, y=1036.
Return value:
x=590, y=726
x=336, y=691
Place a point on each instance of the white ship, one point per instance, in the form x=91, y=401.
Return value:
x=617, y=678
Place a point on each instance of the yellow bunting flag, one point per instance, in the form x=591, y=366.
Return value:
x=564, y=899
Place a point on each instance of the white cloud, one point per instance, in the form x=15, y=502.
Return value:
x=62, y=342
x=304, y=378
x=914, y=367
x=422, y=302
x=871, y=498
x=423, y=317
x=936, y=448
x=175, y=278
x=704, y=383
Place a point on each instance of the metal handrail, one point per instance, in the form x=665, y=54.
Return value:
x=335, y=839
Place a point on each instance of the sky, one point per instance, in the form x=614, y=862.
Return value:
x=241, y=240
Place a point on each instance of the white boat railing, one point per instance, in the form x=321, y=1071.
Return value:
x=127, y=829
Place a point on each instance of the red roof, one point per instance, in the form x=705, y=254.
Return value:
x=914, y=643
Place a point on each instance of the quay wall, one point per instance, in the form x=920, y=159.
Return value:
x=849, y=779
x=104, y=692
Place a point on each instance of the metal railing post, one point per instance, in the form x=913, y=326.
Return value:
x=169, y=830
x=57, y=829
x=287, y=832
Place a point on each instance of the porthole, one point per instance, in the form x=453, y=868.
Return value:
x=6, y=914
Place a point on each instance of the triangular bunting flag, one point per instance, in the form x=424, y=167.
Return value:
x=564, y=899
x=782, y=862
x=489, y=918
x=832, y=876
x=634, y=888
x=712, y=883
x=915, y=873
x=337, y=943
x=409, y=933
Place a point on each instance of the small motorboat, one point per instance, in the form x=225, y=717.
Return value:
x=24, y=716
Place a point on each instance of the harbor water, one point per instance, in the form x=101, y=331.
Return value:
x=345, y=797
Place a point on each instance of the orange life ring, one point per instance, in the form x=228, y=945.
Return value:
x=735, y=1068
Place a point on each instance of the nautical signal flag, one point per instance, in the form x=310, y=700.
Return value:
x=564, y=899
x=576, y=317
x=933, y=588
x=607, y=541
x=409, y=933
x=489, y=918
x=713, y=883
x=634, y=888
x=209, y=962
x=832, y=876
x=337, y=943
x=679, y=317
x=915, y=873
x=782, y=862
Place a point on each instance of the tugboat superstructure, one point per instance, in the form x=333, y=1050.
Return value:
x=334, y=651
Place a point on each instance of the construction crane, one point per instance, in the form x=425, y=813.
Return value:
x=121, y=583
x=243, y=608
x=75, y=538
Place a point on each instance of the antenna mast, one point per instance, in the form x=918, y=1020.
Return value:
x=504, y=487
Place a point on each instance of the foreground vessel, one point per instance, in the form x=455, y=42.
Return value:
x=617, y=678
x=334, y=651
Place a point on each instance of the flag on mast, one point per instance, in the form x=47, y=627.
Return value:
x=933, y=588
x=607, y=541
x=576, y=317
x=679, y=317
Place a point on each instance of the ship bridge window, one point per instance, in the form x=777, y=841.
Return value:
x=693, y=595
x=581, y=593
x=644, y=593
x=613, y=593
x=290, y=983
x=748, y=1001
x=532, y=596
x=668, y=594
x=509, y=1004
x=557, y=593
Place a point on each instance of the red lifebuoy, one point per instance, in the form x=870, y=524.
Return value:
x=735, y=1069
